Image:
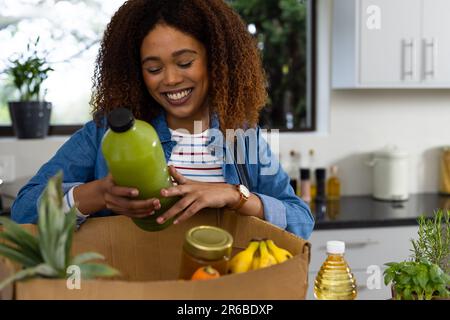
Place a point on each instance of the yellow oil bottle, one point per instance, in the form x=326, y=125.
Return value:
x=335, y=280
x=333, y=185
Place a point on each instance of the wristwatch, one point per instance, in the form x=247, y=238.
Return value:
x=245, y=195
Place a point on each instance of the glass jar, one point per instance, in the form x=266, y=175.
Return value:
x=203, y=246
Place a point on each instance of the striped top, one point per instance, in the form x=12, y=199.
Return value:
x=193, y=159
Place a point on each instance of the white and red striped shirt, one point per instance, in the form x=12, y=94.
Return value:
x=193, y=159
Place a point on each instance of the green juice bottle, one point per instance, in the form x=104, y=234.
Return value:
x=135, y=158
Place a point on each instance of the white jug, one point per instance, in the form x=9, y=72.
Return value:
x=390, y=174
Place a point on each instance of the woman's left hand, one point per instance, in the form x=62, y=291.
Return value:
x=196, y=196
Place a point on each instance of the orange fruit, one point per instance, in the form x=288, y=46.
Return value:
x=205, y=273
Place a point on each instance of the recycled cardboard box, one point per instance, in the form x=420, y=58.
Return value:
x=149, y=263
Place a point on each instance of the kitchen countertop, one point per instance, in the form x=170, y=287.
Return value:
x=348, y=212
x=366, y=212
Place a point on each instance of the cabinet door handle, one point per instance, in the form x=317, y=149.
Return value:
x=428, y=46
x=408, y=51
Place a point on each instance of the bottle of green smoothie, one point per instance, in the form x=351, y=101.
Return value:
x=135, y=158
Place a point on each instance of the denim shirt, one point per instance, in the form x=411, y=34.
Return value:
x=82, y=161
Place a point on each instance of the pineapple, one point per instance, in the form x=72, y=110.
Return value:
x=48, y=254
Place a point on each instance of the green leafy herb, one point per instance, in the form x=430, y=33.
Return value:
x=413, y=280
x=28, y=71
x=433, y=243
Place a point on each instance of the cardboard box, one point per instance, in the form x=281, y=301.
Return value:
x=149, y=263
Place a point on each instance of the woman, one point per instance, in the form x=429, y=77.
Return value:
x=176, y=64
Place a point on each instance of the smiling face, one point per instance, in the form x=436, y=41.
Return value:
x=174, y=67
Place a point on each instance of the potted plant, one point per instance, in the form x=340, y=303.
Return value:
x=48, y=254
x=426, y=275
x=433, y=243
x=412, y=280
x=30, y=115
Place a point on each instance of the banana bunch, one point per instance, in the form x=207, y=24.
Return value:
x=258, y=254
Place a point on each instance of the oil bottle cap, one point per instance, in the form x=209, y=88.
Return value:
x=334, y=170
x=120, y=119
x=335, y=247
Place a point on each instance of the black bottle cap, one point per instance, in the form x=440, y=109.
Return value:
x=120, y=119
x=321, y=173
x=304, y=174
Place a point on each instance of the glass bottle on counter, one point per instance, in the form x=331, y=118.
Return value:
x=335, y=281
x=320, y=174
x=203, y=246
x=305, y=185
x=292, y=169
x=333, y=209
x=333, y=184
x=312, y=169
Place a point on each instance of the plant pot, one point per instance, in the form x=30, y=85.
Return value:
x=394, y=293
x=31, y=119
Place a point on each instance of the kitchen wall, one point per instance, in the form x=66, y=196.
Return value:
x=353, y=123
x=367, y=120
x=362, y=121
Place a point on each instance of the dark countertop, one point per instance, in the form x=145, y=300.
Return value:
x=348, y=212
x=366, y=212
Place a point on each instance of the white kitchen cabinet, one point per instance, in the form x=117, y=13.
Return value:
x=367, y=250
x=436, y=42
x=391, y=44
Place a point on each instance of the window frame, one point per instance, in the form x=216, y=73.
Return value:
x=313, y=73
x=59, y=130
x=53, y=130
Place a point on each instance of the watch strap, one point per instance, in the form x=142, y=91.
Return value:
x=242, y=200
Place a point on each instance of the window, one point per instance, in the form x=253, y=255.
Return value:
x=71, y=32
x=285, y=31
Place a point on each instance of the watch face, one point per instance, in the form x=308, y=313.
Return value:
x=244, y=191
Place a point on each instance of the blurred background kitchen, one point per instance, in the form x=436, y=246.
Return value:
x=361, y=85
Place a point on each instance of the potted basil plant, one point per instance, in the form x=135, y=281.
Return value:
x=412, y=280
x=30, y=115
x=427, y=274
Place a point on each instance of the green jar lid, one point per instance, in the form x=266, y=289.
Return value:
x=208, y=243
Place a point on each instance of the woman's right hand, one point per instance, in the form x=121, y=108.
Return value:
x=120, y=200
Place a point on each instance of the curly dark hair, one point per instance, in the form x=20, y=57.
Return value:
x=237, y=89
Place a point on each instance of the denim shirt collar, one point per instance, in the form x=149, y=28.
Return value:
x=162, y=128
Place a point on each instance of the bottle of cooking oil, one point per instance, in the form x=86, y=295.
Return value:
x=333, y=184
x=335, y=280
x=313, y=187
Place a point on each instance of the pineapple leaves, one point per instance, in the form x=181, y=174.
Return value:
x=87, y=256
x=52, y=224
x=93, y=270
x=17, y=255
x=20, y=238
x=69, y=228
x=39, y=270
x=49, y=253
